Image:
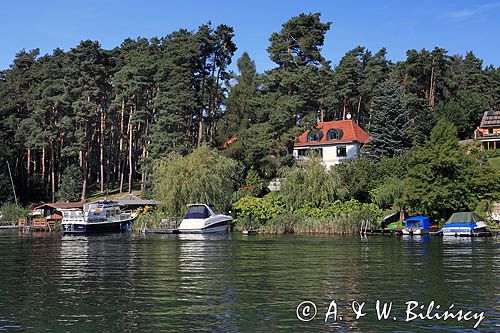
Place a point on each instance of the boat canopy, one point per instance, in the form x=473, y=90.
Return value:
x=197, y=212
x=418, y=222
x=464, y=217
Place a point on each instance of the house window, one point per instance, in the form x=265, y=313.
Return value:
x=334, y=134
x=342, y=151
x=316, y=152
x=314, y=136
x=302, y=152
x=308, y=152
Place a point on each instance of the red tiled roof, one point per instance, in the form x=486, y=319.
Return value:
x=351, y=133
x=229, y=142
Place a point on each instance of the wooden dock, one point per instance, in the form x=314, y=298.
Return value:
x=380, y=232
x=167, y=226
x=161, y=231
x=7, y=227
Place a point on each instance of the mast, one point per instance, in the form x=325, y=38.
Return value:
x=12, y=182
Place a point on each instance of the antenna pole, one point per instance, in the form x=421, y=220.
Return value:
x=12, y=182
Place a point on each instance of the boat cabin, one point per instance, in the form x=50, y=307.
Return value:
x=102, y=211
x=418, y=222
x=199, y=211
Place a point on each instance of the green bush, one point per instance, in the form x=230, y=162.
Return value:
x=202, y=176
x=270, y=215
x=148, y=218
x=309, y=184
x=241, y=194
x=253, y=211
x=11, y=212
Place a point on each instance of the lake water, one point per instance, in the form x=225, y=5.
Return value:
x=236, y=283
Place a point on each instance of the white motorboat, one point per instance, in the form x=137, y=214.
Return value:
x=201, y=218
x=99, y=216
x=466, y=224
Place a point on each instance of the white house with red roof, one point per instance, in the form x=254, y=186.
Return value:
x=333, y=141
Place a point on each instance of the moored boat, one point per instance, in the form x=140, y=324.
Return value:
x=99, y=216
x=466, y=224
x=201, y=218
x=417, y=225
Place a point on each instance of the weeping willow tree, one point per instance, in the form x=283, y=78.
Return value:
x=309, y=185
x=200, y=177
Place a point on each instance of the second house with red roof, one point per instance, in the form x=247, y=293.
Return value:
x=333, y=141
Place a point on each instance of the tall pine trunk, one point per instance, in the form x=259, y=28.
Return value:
x=83, y=167
x=130, y=151
x=43, y=164
x=101, y=148
x=432, y=88
x=344, y=110
x=359, y=108
x=53, y=170
x=28, y=163
x=121, y=163
x=144, y=156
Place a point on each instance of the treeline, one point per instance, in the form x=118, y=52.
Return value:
x=98, y=119
x=109, y=112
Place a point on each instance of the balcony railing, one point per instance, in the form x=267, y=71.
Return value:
x=480, y=135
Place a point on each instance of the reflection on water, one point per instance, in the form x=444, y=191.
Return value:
x=232, y=283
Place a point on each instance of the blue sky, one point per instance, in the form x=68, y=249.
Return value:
x=457, y=26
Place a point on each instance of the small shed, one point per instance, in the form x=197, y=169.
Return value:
x=417, y=222
x=48, y=215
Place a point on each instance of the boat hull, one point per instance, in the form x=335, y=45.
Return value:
x=83, y=228
x=415, y=232
x=466, y=229
x=222, y=226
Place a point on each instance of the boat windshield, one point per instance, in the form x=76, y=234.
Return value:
x=197, y=212
x=413, y=224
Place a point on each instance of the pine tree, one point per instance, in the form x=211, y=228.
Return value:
x=71, y=184
x=390, y=125
x=241, y=104
x=439, y=175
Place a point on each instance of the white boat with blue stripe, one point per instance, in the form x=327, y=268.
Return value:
x=201, y=218
x=466, y=224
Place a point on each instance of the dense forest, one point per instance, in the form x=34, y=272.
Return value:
x=89, y=119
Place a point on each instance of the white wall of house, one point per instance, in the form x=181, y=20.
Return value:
x=329, y=152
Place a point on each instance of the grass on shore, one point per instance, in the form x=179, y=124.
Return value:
x=495, y=162
x=95, y=194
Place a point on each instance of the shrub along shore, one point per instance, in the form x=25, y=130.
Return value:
x=434, y=178
x=269, y=215
x=144, y=114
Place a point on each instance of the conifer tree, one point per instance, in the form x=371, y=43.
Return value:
x=390, y=124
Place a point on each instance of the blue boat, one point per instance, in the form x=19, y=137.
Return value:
x=466, y=224
x=417, y=225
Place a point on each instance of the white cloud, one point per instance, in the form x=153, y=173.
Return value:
x=472, y=11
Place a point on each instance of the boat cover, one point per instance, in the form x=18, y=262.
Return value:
x=470, y=217
x=418, y=222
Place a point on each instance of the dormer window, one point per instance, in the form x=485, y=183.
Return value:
x=334, y=134
x=313, y=136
